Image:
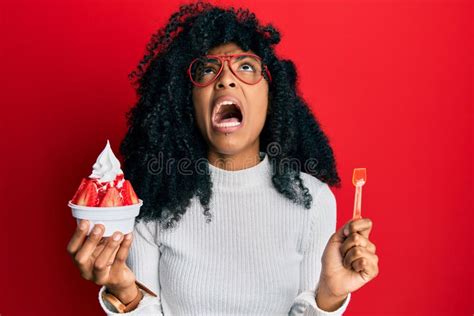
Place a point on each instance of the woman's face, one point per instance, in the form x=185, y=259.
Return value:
x=217, y=120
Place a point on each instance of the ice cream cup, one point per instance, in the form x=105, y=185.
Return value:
x=114, y=218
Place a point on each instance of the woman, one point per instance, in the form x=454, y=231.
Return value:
x=219, y=130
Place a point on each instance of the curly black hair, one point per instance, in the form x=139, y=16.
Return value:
x=163, y=122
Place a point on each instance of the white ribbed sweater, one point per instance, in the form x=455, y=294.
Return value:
x=260, y=255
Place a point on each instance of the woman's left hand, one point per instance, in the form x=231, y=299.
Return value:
x=349, y=260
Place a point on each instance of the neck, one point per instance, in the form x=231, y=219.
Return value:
x=252, y=177
x=233, y=162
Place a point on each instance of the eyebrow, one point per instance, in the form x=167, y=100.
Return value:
x=215, y=60
x=233, y=52
x=242, y=57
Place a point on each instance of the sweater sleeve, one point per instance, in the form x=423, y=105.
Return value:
x=322, y=226
x=143, y=260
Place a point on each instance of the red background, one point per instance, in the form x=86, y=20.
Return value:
x=391, y=82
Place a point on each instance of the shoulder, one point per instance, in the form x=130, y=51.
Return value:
x=148, y=230
x=319, y=190
x=323, y=206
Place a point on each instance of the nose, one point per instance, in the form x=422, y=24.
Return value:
x=226, y=78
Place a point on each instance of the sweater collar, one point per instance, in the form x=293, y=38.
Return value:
x=257, y=175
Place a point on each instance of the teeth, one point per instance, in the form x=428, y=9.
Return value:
x=231, y=124
x=225, y=102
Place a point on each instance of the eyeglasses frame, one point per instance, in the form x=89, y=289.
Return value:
x=223, y=59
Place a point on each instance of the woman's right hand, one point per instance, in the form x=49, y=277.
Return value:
x=102, y=260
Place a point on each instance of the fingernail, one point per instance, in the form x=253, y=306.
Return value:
x=128, y=236
x=116, y=237
x=82, y=224
x=97, y=230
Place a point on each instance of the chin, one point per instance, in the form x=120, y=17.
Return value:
x=227, y=148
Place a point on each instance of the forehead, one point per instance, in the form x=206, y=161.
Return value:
x=227, y=49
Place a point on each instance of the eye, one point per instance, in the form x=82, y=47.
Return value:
x=207, y=71
x=249, y=67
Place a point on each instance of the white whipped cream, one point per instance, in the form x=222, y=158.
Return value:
x=107, y=166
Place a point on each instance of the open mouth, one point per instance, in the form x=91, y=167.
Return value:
x=228, y=114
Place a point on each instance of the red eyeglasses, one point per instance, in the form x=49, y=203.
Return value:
x=247, y=67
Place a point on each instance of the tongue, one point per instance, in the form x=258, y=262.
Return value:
x=229, y=120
